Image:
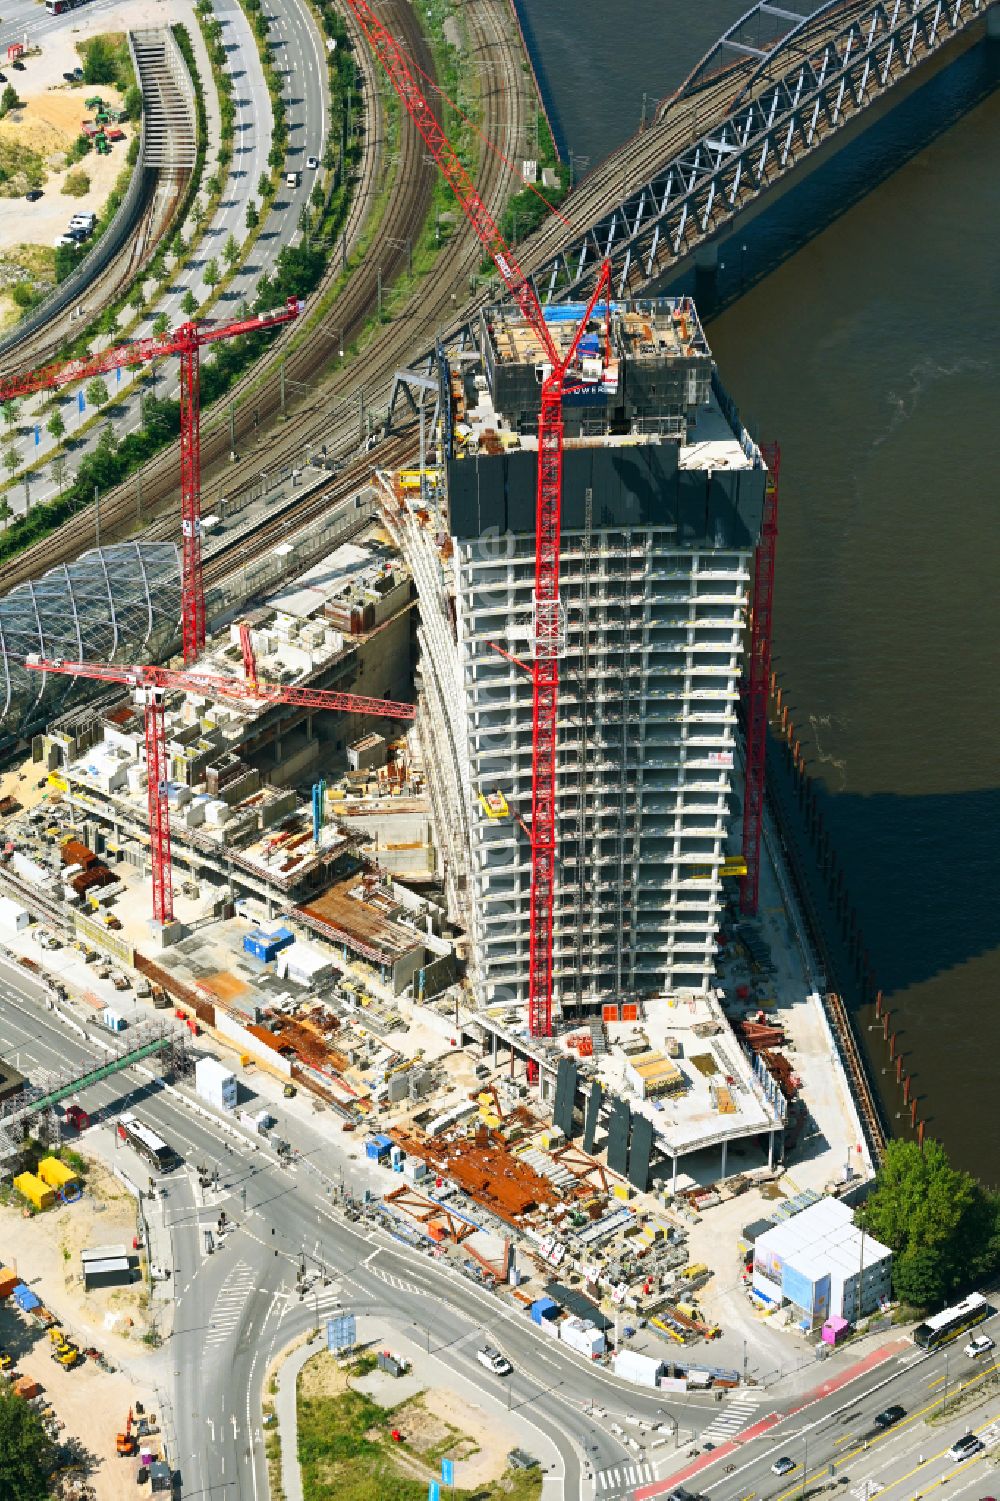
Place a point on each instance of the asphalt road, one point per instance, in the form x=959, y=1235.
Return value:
x=239, y=1304
x=300, y=57
x=833, y=1441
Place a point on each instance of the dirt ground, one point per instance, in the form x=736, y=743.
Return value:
x=91, y=1404
x=323, y=1376
x=48, y=123
x=44, y=1251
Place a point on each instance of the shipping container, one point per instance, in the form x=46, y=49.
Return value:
x=56, y=1174
x=215, y=1083
x=643, y=1370
x=34, y=1190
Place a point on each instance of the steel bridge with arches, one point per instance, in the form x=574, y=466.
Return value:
x=773, y=90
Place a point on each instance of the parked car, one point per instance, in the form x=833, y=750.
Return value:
x=980, y=1344
x=70, y=77
x=966, y=1446
x=18, y=65
x=34, y=195
x=783, y=1466
x=888, y=1416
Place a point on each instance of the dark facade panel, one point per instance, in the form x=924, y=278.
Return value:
x=640, y=1151
x=618, y=1138
x=562, y=1112
x=590, y=1122
x=632, y=486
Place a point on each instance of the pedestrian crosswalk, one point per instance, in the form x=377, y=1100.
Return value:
x=866, y=1490
x=620, y=1479
x=230, y=1303
x=400, y=1283
x=737, y=1414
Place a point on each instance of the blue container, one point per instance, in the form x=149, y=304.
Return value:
x=377, y=1147
x=25, y=1299
x=543, y=1310
x=255, y=943
x=280, y=939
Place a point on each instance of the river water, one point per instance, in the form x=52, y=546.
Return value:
x=872, y=351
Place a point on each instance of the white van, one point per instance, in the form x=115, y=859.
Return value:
x=291, y=179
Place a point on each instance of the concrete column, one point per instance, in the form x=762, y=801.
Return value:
x=993, y=23
x=770, y=1149
x=725, y=1145
x=673, y=1180
x=706, y=257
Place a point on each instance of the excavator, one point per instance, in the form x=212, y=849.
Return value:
x=126, y=1444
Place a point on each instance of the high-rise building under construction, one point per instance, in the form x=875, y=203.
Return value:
x=662, y=500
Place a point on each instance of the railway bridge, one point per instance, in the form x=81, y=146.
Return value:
x=777, y=93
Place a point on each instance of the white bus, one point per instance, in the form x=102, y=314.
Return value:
x=950, y=1322
x=152, y=1148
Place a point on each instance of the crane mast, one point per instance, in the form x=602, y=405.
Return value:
x=151, y=684
x=548, y=511
x=185, y=342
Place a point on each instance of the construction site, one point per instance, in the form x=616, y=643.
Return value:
x=459, y=833
x=342, y=900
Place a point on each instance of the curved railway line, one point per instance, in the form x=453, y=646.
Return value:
x=431, y=307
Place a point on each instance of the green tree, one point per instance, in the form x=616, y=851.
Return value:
x=265, y=186
x=252, y=216
x=55, y=426
x=941, y=1224
x=132, y=103
x=189, y=304
x=100, y=65
x=231, y=251
x=9, y=410
x=97, y=392
x=160, y=324
x=8, y=99
x=26, y=1453
x=211, y=273
x=317, y=196
x=11, y=461
x=137, y=298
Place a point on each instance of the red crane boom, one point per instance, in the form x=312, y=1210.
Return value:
x=548, y=509
x=151, y=684
x=186, y=342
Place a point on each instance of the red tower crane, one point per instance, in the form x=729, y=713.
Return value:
x=151, y=684
x=548, y=510
x=186, y=342
x=758, y=683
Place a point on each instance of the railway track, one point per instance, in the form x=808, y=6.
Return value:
x=492, y=42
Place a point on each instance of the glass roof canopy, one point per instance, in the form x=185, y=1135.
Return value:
x=119, y=603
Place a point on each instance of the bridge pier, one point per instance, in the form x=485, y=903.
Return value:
x=993, y=23
x=706, y=257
